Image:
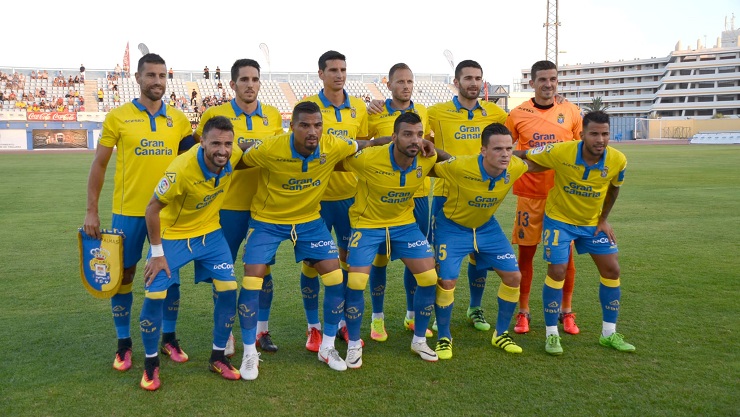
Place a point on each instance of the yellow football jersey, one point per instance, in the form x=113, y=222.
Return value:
x=264, y=122
x=348, y=121
x=457, y=129
x=580, y=190
x=292, y=186
x=385, y=191
x=146, y=145
x=381, y=124
x=193, y=195
x=474, y=196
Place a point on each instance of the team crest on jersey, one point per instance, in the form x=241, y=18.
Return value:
x=169, y=121
x=353, y=112
x=604, y=172
x=507, y=178
x=163, y=186
x=265, y=121
x=419, y=172
x=483, y=112
x=322, y=159
x=561, y=118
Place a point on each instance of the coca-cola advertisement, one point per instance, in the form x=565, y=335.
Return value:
x=59, y=138
x=54, y=116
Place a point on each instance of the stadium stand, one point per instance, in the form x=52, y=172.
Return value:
x=716, y=138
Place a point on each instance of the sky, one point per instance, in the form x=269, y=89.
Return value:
x=503, y=36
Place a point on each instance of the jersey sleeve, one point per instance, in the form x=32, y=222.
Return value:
x=517, y=168
x=542, y=155
x=255, y=155
x=111, y=134
x=362, y=130
x=511, y=125
x=353, y=163
x=169, y=186
x=618, y=180
x=445, y=169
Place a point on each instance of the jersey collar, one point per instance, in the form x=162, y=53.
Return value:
x=491, y=180
x=395, y=166
x=391, y=110
x=325, y=101
x=207, y=174
x=471, y=112
x=580, y=161
x=305, y=159
x=238, y=111
x=153, y=117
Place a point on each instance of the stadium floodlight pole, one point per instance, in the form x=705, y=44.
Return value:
x=266, y=51
x=450, y=60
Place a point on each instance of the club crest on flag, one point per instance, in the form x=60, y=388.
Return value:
x=101, y=262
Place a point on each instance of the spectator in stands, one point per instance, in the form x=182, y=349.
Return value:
x=100, y=94
x=170, y=74
x=12, y=96
x=220, y=86
x=35, y=107
x=218, y=73
x=70, y=81
x=60, y=74
x=43, y=105
x=116, y=98
x=45, y=75
x=2, y=96
x=42, y=93
x=206, y=73
x=193, y=97
x=118, y=70
x=77, y=79
x=81, y=99
x=82, y=73
x=33, y=74
x=173, y=100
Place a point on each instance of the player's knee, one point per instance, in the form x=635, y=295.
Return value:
x=221, y=286
x=128, y=275
x=447, y=284
x=380, y=260
x=252, y=283
x=445, y=296
x=334, y=277
x=357, y=280
x=309, y=271
x=557, y=272
x=511, y=278
x=426, y=278
x=156, y=295
x=125, y=288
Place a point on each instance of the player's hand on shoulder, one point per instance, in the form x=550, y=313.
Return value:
x=427, y=148
x=375, y=106
x=560, y=99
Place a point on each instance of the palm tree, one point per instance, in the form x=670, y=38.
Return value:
x=596, y=104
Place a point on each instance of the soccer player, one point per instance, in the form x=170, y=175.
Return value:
x=457, y=126
x=539, y=122
x=401, y=85
x=382, y=214
x=295, y=171
x=588, y=174
x=344, y=116
x=182, y=220
x=252, y=120
x=148, y=135
x=476, y=187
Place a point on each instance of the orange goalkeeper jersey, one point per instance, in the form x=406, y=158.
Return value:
x=532, y=127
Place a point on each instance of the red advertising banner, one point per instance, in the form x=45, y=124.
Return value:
x=59, y=138
x=39, y=116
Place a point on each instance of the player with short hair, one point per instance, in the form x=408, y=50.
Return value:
x=539, y=122
x=401, y=85
x=344, y=116
x=383, y=214
x=588, y=175
x=147, y=135
x=295, y=171
x=476, y=187
x=252, y=120
x=457, y=126
x=183, y=224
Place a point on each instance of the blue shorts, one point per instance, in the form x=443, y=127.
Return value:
x=134, y=228
x=455, y=242
x=438, y=202
x=235, y=224
x=209, y=252
x=311, y=241
x=557, y=237
x=405, y=242
x=336, y=216
x=421, y=214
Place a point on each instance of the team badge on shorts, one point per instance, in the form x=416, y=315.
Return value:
x=561, y=118
x=101, y=262
x=169, y=121
x=419, y=172
x=521, y=233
